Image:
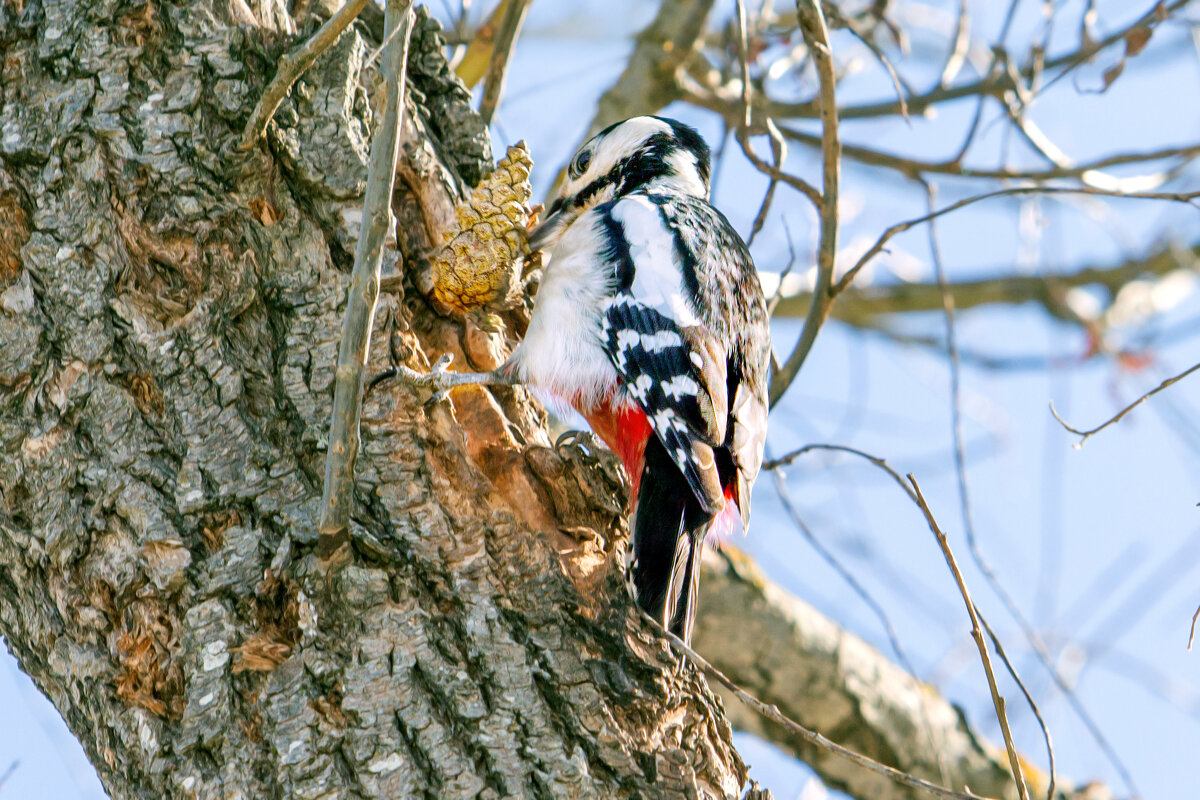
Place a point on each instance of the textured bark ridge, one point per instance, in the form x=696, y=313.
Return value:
x=169, y=319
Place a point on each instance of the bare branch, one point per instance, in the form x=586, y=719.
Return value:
x=1121, y=414
x=858, y=306
x=4, y=776
x=774, y=172
x=478, y=56
x=1035, y=641
x=778, y=155
x=493, y=85
x=364, y=289
x=812, y=737
x=292, y=66
x=960, y=466
x=744, y=59
x=900, y=227
x=816, y=34
x=648, y=82
x=1033, y=706
x=782, y=650
x=993, y=84
x=1089, y=172
x=976, y=634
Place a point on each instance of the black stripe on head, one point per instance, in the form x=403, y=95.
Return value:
x=689, y=139
x=684, y=252
x=650, y=162
x=616, y=249
x=647, y=164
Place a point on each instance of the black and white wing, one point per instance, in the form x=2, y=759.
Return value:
x=667, y=332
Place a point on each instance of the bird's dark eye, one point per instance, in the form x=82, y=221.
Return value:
x=580, y=164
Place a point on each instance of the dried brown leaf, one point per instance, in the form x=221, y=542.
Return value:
x=1112, y=73
x=1136, y=41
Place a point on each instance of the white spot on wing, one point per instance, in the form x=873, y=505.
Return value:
x=660, y=340
x=680, y=386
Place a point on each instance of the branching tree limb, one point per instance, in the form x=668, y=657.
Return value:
x=506, y=38
x=649, y=80
x=292, y=66
x=788, y=654
x=816, y=34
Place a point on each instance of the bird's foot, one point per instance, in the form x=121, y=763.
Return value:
x=440, y=380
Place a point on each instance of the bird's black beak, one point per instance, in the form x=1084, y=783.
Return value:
x=549, y=229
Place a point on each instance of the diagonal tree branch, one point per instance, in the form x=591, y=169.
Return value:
x=661, y=49
x=816, y=33
x=786, y=653
x=493, y=84
x=292, y=66
x=364, y=288
x=1087, y=434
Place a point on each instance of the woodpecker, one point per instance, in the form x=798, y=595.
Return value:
x=650, y=321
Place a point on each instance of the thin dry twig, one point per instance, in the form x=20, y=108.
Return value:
x=960, y=456
x=493, y=84
x=1033, y=706
x=775, y=172
x=1035, y=641
x=1121, y=414
x=778, y=155
x=812, y=737
x=1192, y=634
x=773, y=302
x=292, y=66
x=4, y=776
x=816, y=34
x=977, y=634
x=744, y=59
x=364, y=289
x=900, y=227
x=828, y=556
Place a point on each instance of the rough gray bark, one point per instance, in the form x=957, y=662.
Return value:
x=169, y=319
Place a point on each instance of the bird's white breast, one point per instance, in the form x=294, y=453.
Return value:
x=562, y=352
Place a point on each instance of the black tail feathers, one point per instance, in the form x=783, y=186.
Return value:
x=667, y=540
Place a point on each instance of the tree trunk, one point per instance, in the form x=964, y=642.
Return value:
x=170, y=312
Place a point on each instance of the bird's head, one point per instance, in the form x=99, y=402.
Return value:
x=651, y=154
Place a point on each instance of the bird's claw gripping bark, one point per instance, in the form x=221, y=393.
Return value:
x=439, y=380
